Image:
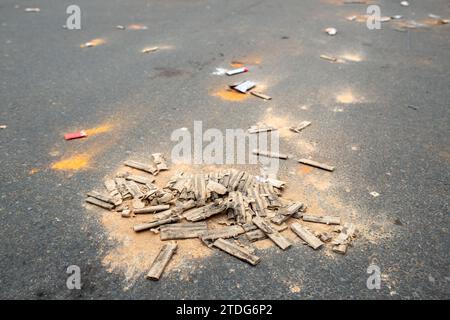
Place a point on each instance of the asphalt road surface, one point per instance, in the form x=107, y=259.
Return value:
x=380, y=114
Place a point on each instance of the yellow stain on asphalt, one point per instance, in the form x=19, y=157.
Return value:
x=236, y=64
x=279, y=122
x=73, y=163
x=230, y=95
x=100, y=129
x=303, y=169
x=80, y=156
x=346, y=97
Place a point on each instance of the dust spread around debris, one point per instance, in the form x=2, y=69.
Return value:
x=282, y=123
x=133, y=253
x=319, y=194
x=318, y=182
x=230, y=95
x=76, y=162
x=346, y=97
x=100, y=129
x=247, y=60
x=303, y=169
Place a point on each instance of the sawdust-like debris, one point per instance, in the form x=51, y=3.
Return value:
x=230, y=95
x=76, y=162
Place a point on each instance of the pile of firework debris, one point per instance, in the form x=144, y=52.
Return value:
x=253, y=205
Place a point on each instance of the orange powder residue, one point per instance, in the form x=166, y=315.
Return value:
x=93, y=43
x=302, y=169
x=304, y=147
x=100, y=129
x=282, y=123
x=77, y=162
x=346, y=97
x=236, y=64
x=248, y=60
x=318, y=182
x=135, y=252
x=230, y=95
x=81, y=161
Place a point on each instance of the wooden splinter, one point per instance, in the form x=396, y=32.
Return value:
x=161, y=261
